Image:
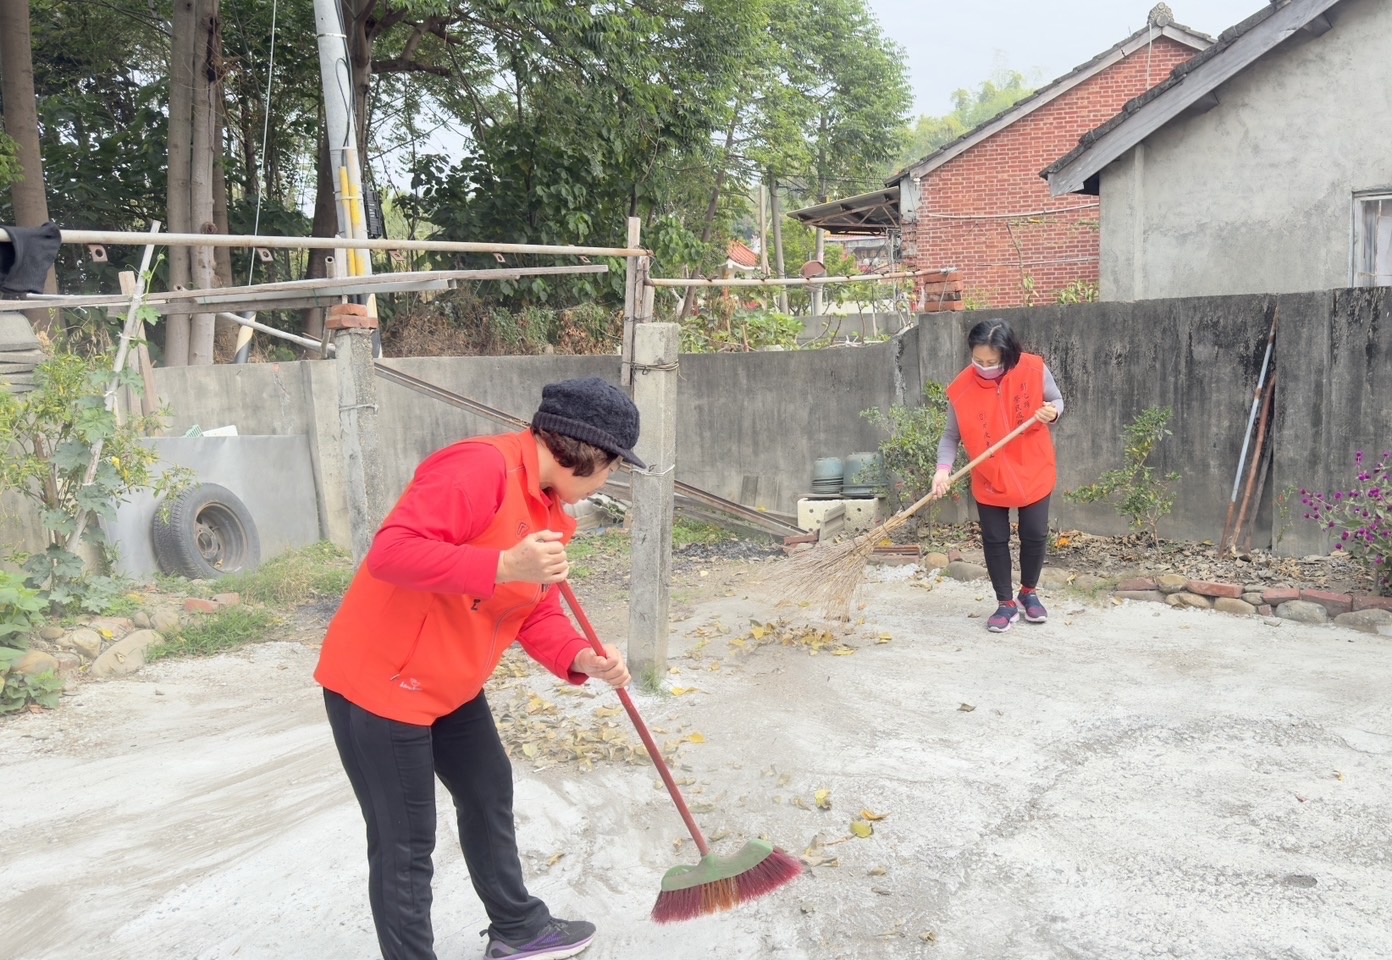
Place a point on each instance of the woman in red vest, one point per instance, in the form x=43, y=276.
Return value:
x=1000, y=389
x=461, y=567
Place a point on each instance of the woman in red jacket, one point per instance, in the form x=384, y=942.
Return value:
x=460, y=568
x=1000, y=389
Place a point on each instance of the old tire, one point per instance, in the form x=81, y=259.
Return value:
x=204, y=533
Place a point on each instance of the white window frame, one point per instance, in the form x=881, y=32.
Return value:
x=1371, y=263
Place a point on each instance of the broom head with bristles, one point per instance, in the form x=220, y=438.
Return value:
x=718, y=883
x=827, y=575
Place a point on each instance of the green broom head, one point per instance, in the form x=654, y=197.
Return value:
x=718, y=883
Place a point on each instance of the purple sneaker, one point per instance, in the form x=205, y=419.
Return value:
x=556, y=941
x=1034, y=610
x=1006, y=614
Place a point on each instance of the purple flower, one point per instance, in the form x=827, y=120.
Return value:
x=1338, y=546
x=1345, y=536
x=1358, y=457
x=1338, y=497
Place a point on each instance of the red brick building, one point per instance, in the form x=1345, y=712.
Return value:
x=979, y=203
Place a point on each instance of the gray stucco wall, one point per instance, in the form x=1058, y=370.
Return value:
x=1256, y=195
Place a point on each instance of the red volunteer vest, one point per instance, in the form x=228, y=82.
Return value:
x=1023, y=472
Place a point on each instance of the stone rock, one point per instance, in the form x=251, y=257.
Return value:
x=142, y=621
x=1140, y=596
x=966, y=572
x=936, y=561
x=1194, y=600
x=1335, y=603
x=1238, y=608
x=1172, y=583
x=1265, y=611
x=1302, y=611
x=113, y=628
x=85, y=641
x=68, y=664
x=1366, y=621
x=35, y=662
x=1280, y=595
x=1054, y=578
x=954, y=555
x=227, y=599
x=199, y=605
x=52, y=633
x=1089, y=583
x=125, y=656
x=1252, y=597
x=165, y=622
x=1205, y=588
x=1137, y=585
x=1173, y=600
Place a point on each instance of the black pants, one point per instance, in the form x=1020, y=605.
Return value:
x=392, y=767
x=995, y=539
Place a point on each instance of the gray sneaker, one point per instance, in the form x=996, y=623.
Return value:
x=555, y=941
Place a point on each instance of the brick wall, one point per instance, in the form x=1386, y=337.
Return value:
x=989, y=213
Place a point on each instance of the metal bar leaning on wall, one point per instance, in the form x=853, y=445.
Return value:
x=791, y=282
x=425, y=388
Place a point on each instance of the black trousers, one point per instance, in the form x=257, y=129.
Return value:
x=392, y=767
x=995, y=540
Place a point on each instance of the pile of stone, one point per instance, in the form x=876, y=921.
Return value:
x=20, y=353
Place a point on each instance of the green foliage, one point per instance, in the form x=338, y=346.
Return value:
x=21, y=609
x=1079, y=291
x=910, y=451
x=725, y=327
x=687, y=533
x=294, y=578
x=18, y=690
x=48, y=437
x=1360, y=515
x=1136, y=490
x=10, y=171
x=217, y=633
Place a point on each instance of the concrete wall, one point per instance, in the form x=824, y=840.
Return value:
x=749, y=426
x=1255, y=196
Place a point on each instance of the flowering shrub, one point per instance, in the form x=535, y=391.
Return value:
x=1362, y=515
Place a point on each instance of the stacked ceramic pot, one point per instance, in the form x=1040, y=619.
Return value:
x=827, y=476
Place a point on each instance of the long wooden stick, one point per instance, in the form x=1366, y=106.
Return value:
x=1247, y=436
x=131, y=238
x=638, y=724
x=790, y=282
x=1256, y=462
x=990, y=452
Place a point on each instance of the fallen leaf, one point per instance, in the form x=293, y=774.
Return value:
x=800, y=803
x=843, y=651
x=929, y=937
x=885, y=637
x=880, y=890
x=867, y=815
x=530, y=750
x=861, y=829
x=876, y=872
x=555, y=859
x=1338, y=775
x=683, y=691
x=966, y=708
x=823, y=798
x=605, y=712
x=694, y=738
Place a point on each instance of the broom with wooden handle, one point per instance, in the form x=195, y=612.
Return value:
x=829, y=575
x=716, y=883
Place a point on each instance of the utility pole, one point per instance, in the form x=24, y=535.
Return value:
x=353, y=326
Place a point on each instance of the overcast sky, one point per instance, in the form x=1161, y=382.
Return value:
x=959, y=44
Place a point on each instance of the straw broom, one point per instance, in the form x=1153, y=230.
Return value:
x=828, y=576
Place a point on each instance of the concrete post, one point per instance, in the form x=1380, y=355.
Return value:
x=655, y=393
x=352, y=331
x=633, y=304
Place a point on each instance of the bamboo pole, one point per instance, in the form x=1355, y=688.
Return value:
x=130, y=238
x=790, y=282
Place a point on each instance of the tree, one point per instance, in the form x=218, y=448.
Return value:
x=22, y=123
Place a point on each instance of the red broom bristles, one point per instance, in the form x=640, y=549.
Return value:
x=775, y=870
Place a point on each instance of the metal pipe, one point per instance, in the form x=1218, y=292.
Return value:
x=131, y=238
x=1252, y=419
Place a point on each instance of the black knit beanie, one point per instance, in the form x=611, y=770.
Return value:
x=594, y=411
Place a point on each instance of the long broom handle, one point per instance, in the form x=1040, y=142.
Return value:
x=994, y=449
x=642, y=727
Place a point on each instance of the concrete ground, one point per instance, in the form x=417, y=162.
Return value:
x=1125, y=781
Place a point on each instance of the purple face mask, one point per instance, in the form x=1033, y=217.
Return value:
x=989, y=373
